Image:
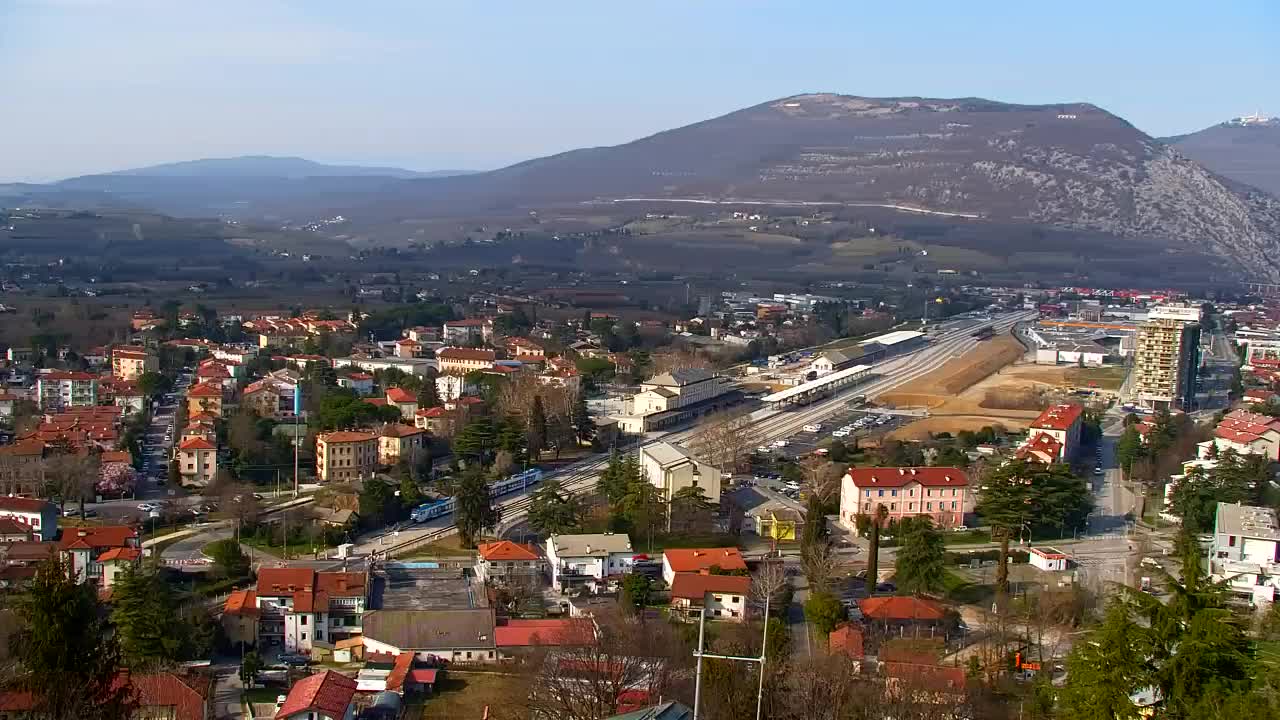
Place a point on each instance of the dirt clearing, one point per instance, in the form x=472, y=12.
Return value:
x=957, y=375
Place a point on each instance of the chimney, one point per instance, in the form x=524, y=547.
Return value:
x=902, y=471
x=588, y=549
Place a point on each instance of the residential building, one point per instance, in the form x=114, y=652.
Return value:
x=1245, y=551
x=129, y=363
x=670, y=710
x=325, y=695
x=507, y=562
x=833, y=361
x=345, y=455
x=724, y=597
x=406, y=348
x=7, y=401
x=397, y=441
x=40, y=517
x=1167, y=357
x=22, y=468
x=575, y=559
x=941, y=493
x=1042, y=448
x=515, y=636
x=902, y=611
x=409, y=366
x=205, y=398
x=270, y=397
x=671, y=468
x=157, y=696
x=696, y=560
x=526, y=350
x=301, y=608
x=848, y=639
x=452, y=387
x=458, y=636
x=437, y=420
x=404, y=400
x=197, y=461
x=472, y=331
x=1048, y=559
x=56, y=390
x=460, y=360
x=1064, y=423
x=97, y=553
x=1244, y=433
x=281, y=338
x=361, y=382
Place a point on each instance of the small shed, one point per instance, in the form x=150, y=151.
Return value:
x=1048, y=559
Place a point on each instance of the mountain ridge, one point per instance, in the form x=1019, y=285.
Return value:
x=1246, y=153
x=283, y=166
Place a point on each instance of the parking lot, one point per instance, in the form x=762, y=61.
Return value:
x=845, y=425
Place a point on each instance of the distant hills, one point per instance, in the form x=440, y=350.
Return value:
x=265, y=166
x=1245, y=152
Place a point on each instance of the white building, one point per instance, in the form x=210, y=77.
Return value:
x=1246, y=551
x=299, y=607
x=673, y=396
x=39, y=515
x=670, y=468
x=1048, y=559
x=578, y=558
x=452, y=387
x=56, y=390
x=723, y=596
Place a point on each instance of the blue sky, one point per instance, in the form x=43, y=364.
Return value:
x=96, y=85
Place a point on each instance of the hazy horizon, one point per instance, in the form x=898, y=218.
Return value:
x=445, y=87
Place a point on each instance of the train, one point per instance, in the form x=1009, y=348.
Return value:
x=440, y=508
x=985, y=333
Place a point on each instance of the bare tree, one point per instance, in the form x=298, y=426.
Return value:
x=823, y=477
x=771, y=582
x=819, y=563
x=678, y=360
x=724, y=440
x=70, y=476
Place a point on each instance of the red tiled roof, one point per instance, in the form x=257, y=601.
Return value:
x=10, y=526
x=380, y=402
x=1237, y=436
x=865, y=477
x=693, y=586
x=241, y=602
x=423, y=676
x=62, y=375
x=696, y=559
x=24, y=447
x=400, y=430
x=456, y=353
x=931, y=677
x=400, y=670
x=94, y=537
x=506, y=550
x=557, y=632
x=131, y=353
x=205, y=390
x=343, y=436
x=120, y=553
x=400, y=395
x=1058, y=417
x=901, y=608
x=341, y=584
x=431, y=412
x=18, y=504
x=283, y=581
x=847, y=639
x=197, y=443
x=469, y=322
x=116, y=456
x=327, y=692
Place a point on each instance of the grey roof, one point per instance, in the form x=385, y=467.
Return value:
x=666, y=711
x=683, y=376
x=1247, y=520
x=667, y=454
x=431, y=629
x=591, y=545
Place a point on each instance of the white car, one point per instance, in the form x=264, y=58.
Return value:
x=780, y=443
x=146, y=507
x=840, y=433
x=764, y=449
x=816, y=427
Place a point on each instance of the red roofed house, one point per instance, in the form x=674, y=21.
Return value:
x=57, y=390
x=700, y=560
x=1262, y=397
x=723, y=596
x=302, y=608
x=847, y=639
x=1245, y=433
x=22, y=467
x=323, y=696
x=437, y=420
x=515, y=634
x=460, y=361
x=918, y=683
x=406, y=348
x=942, y=493
x=39, y=516
x=97, y=553
x=406, y=401
x=197, y=461
x=205, y=397
x=240, y=617
x=1043, y=448
x=468, y=332
x=361, y=382
x=504, y=561
x=398, y=441
x=270, y=397
x=902, y=610
x=167, y=695
x=1062, y=422
x=346, y=455
x=130, y=363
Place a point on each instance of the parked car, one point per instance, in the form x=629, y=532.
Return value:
x=147, y=507
x=295, y=660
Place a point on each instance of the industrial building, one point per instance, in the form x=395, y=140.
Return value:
x=1167, y=357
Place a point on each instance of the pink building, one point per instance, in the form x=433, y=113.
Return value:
x=942, y=493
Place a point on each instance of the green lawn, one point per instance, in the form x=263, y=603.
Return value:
x=297, y=550
x=450, y=547
x=1105, y=378
x=958, y=590
x=461, y=694
x=1269, y=652
x=264, y=694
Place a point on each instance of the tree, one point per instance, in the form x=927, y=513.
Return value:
x=724, y=440
x=70, y=476
x=474, y=512
x=250, y=666
x=690, y=509
x=643, y=507
x=116, y=479
x=553, y=511
x=617, y=476
x=1129, y=449
x=174, y=474
x=65, y=654
x=511, y=440
x=143, y=611
x=429, y=395
x=229, y=561
x=152, y=383
x=537, y=432
x=921, y=561
x=874, y=524
x=635, y=592
x=376, y=500
x=824, y=610
x=582, y=422
x=476, y=441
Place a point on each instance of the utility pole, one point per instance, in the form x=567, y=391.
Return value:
x=699, y=654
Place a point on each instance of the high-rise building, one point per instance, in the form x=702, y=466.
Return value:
x=1167, y=357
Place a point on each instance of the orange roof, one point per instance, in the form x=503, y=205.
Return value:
x=528, y=633
x=865, y=477
x=344, y=436
x=205, y=390
x=901, y=608
x=284, y=581
x=241, y=602
x=197, y=443
x=457, y=353
x=341, y=584
x=399, y=430
x=21, y=504
x=506, y=550
x=94, y=537
x=327, y=693
x=400, y=670
x=120, y=553
x=400, y=395
x=698, y=559
x=431, y=412
x=693, y=586
x=847, y=639
x=1058, y=417
x=24, y=447
x=116, y=456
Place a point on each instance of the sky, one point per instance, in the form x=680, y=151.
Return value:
x=99, y=85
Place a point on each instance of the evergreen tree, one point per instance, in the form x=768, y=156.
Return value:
x=690, y=509
x=410, y=496
x=229, y=561
x=613, y=480
x=875, y=524
x=428, y=395
x=553, y=511
x=642, y=507
x=143, y=610
x=474, y=512
x=1106, y=668
x=537, y=432
x=1129, y=449
x=920, y=566
x=476, y=441
x=375, y=500
x=64, y=652
x=511, y=440
x=582, y=422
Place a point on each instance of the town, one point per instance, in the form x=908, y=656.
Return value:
x=501, y=505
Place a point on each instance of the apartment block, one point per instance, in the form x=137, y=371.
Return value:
x=1167, y=357
x=346, y=455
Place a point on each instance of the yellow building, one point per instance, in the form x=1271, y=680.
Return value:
x=346, y=455
x=130, y=363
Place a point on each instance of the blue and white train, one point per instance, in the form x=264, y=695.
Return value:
x=440, y=508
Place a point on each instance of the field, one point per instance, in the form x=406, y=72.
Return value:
x=957, y=375
x=472, y=695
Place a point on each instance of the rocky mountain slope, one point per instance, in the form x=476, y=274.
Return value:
x=1245, y=152
x=1068, y=166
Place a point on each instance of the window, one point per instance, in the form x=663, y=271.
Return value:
x=912, y=506
x=468, y=655
x=1231, y=541
x=881, y=493
x=893, y=493
x=304, y=636
x=868, y=493
x=953, y=504
x=303, y=620
x=893, y=506
x=736, y=599
x=719, y=598
x=928, y=506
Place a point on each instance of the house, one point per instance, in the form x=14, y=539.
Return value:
x=197, y=461
x=1043, y=448
x=7, y=401
x=240, y=617
x=302, y=609
x=39, y=517
x=460, y=636
x=1246, y=433
x=848, y=638
x=22, y=467
x=437, y=421
x=575, y=559
x=406, y=401
x=695, y=560
x=406, y=348
x=515, y=636
x=670, y=710
x=130, y=363
x=902, y=610
x=671, y=468
x=97, y=553
x=1063, y=422
x=508, y=562
x=323, y=696
x=397, y=441
x=361, y=382
x=452, y=387
x=57, y=389
x=526, y=350
x=281, y=338
x=345, y=455
x=160, y=695
x=923, y=683
x=214, y=372
x=941, y=493
x=14, y=531
x=460, y=361
x=1245, y=551
x=724, y=597
x=1048, y=559
x=471, y=331
x=271, y=397
x=1258, y=396
x=205, y=398
x=833, y=361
